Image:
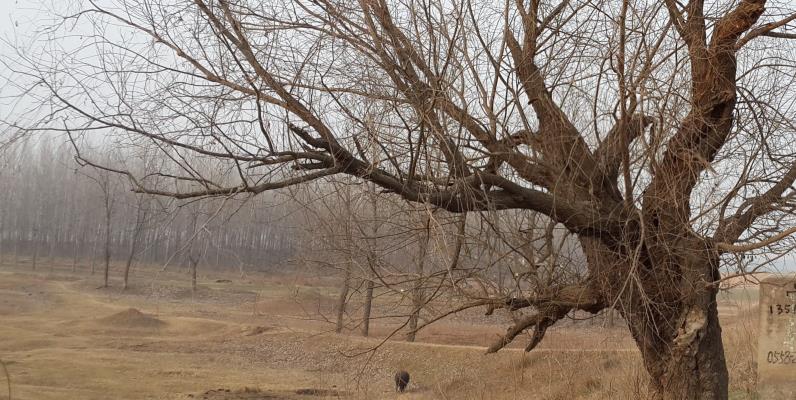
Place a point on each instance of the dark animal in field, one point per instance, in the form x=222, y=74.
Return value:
x=401, y=380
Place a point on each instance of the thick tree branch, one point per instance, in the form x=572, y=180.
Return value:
x=575, y=297
x=731, y=229
x=545, y=317
x=768, y=30
x=730, y=27
x=741, y=248
x=525, y=323
x=706, y=128
x=609, y=154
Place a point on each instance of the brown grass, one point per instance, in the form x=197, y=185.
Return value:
x=62, y=338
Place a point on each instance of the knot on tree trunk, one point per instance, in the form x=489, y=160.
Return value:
x=689, y=332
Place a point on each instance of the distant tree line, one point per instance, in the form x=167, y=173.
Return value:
x=54, y=210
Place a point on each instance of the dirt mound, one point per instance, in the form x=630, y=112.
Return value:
x=132, y=318
x=255, y=330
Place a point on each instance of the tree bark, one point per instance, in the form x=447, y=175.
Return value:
x=694, y=368
x=675, y=325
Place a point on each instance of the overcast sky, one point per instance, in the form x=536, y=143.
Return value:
x=19, y=15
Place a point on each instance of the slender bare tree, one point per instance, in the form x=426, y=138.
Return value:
x=372, y=259
x=418, y=282
x=106, y=183
x=141, y=214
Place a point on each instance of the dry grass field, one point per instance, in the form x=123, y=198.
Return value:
x=259, y=337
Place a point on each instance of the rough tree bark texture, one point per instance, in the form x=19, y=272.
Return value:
x=676, y=325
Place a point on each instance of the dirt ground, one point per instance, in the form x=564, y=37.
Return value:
x=261, y=337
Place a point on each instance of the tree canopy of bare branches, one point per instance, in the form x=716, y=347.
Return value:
x=659, y=134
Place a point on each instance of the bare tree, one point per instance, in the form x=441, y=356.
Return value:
x=417, y=295
x=655, y=133
x=192, y=255
x=141, y=214
x=330, y=240
x=104, y=182
x=372, y=260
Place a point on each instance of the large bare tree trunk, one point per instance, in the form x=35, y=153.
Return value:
x=691, y=368
x=675, y=326
x=686, y=358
